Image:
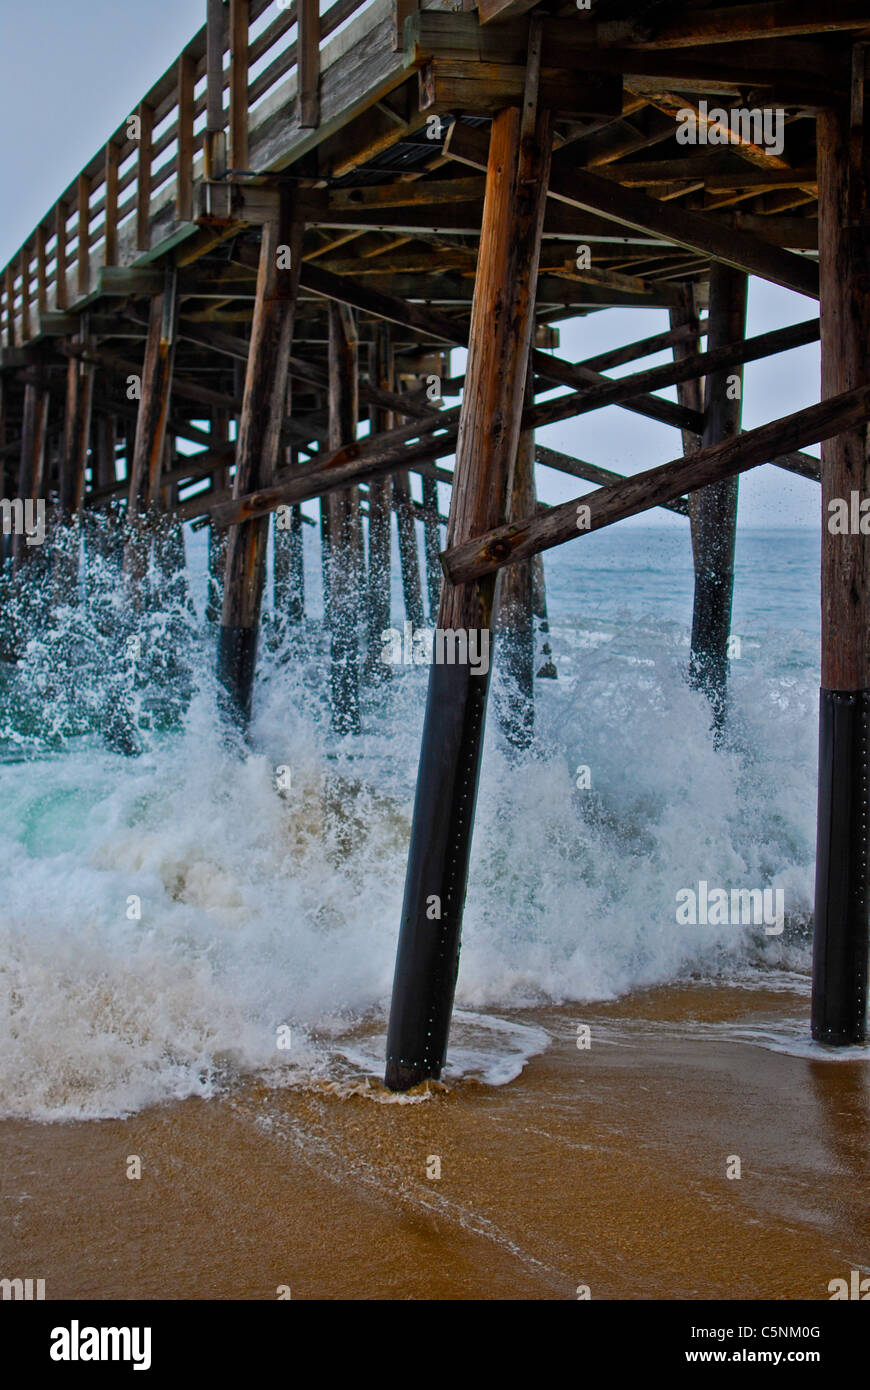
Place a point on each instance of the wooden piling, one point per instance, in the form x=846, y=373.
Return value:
x=257, y=452
x=32, y=457
x=344, y=525
x=380, y=509
x=73, y=464
x=104, y=434
x=409, y=555
x=77, y=430
x=515, y=621
x=106, y=444
x=713, y=510
x=840, y=935
x=432, y=545
x=501, y=330
x=150, y=439
x=547, y=669
x=288, y=569
x=289, y=572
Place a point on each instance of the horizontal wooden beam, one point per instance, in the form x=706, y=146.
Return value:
x=706, y=169
x=775, y=19
x=457, y=84
x=630, y=208
x=117, y=280
x=592, y=473
x=424, y=441
x=52, y=324
x=521, y=540
x=429, y=321
x=797, y=71
x=696, y=364
x=804, y=465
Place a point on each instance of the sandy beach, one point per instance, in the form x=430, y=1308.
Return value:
x=603, y=1167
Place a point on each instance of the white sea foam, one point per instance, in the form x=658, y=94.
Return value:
x=262, y=908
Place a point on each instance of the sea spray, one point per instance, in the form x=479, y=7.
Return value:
x=265, y=907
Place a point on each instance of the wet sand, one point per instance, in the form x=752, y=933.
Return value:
x=604, y=1168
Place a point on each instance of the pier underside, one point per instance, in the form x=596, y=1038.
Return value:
x=309, y=211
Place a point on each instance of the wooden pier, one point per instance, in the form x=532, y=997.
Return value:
x=304, y=215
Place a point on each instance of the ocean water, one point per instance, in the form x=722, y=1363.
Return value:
x=169, y=919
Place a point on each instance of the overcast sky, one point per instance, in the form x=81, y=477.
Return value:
x=70, y=73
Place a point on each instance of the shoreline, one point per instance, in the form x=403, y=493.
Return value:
x=603, y=1168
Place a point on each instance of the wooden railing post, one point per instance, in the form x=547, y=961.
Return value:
x=83, y=204
x=143, y=177
x=401, y=10
x=239, y=84
x=308, y=62
x=60, y=213
x=24, y=262
x=112, y=162
x=41, y=269
x=214, y=149
x=185, y=151
x=9, y=281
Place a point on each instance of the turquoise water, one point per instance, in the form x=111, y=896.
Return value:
x=165, y=914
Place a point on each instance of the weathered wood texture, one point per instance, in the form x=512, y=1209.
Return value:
x=484, y=554
x=309, y=62
x=257, y=452
x=76, y=432
x=515, y=620
x=841, y=932
x=502, y=324
x=713, y=510
x=428, y=440
x=432, y=545
x=345, y=536
x=31, y=468
x=845, y=272
x=380, y=510
x=501, y=328
x=156, y=391
x=692, y=230
x=239, y=19
x=409, y=554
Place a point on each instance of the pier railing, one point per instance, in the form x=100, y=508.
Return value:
x=137, y=191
